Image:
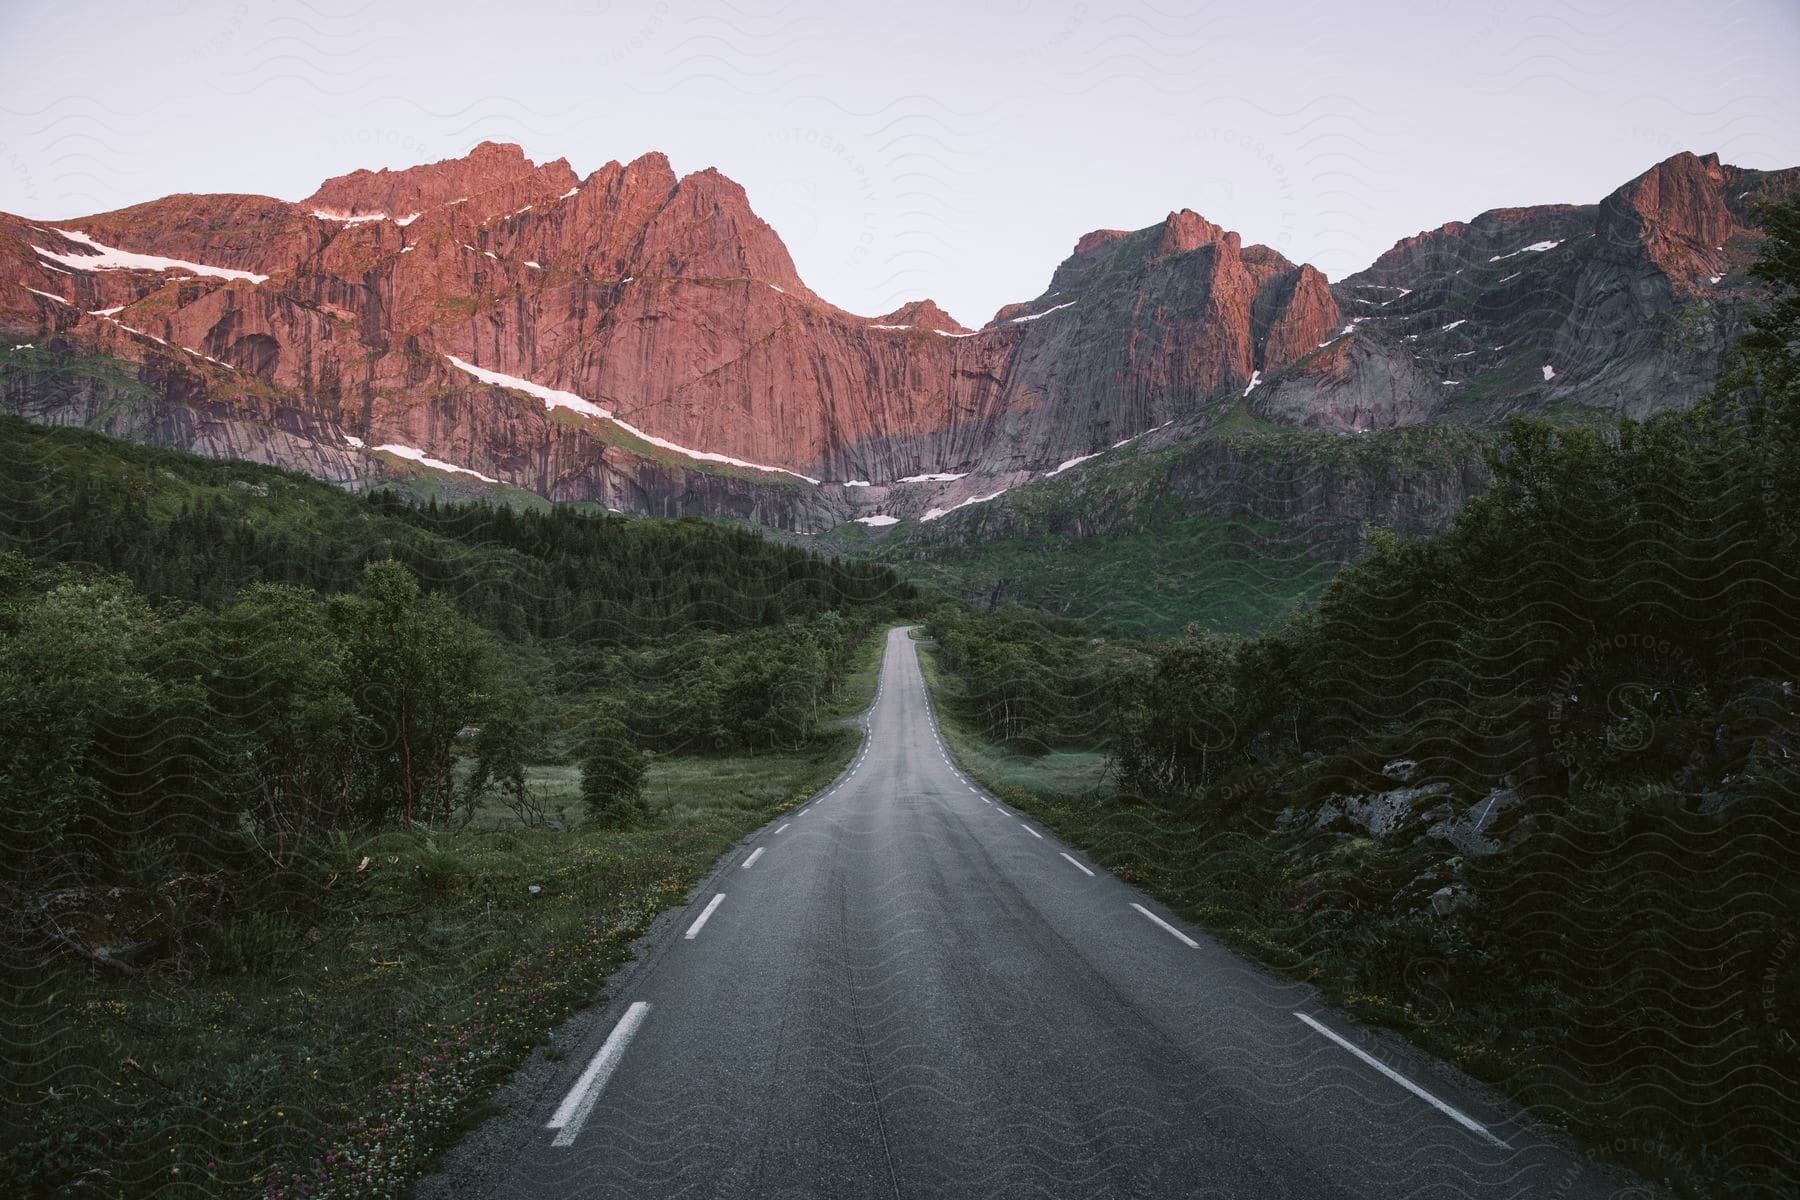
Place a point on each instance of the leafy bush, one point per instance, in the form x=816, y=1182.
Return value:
x=1033, y=682
x=612, y=775
x=253, y=943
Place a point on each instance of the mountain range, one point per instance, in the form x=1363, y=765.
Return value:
x=643, y=341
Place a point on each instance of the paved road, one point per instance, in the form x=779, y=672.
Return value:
x=908, y=990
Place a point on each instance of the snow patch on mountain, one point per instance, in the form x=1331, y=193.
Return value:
x=554, y=398
x=1073, y=462
x=1045, y=313
x=109, y=258
x=932, y=514
x=425, y=460
x=1534, y=248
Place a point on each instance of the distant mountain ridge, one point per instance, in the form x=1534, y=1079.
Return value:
x=1623, y=307
x=643, y=340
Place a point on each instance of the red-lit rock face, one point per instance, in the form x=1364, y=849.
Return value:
x=668, y=302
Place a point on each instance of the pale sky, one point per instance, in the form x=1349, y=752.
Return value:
x=950, y=150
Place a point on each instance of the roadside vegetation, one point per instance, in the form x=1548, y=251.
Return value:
x=322, y=810
x=1128, y=545
x=1528, y=791
x=1230, y=574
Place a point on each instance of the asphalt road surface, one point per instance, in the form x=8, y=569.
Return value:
x=906, y=989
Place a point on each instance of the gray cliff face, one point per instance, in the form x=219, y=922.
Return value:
x=1590, y=312
x=1140, y=329
x=161, y=402
x=1359, y=384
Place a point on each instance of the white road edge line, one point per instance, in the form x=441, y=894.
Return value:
x=1028, y=829
x=754, y=855
x=573, y=1112
x=1077, y=866
x=1185, y=939
x=1461, y=1118
x=784, y=825
x=705, y=913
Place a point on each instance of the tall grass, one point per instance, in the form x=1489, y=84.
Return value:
x=334, y=1049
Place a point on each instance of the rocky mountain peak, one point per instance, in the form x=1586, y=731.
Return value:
x=923, y=314
x=491, y=179
x=1265, y=263
x=625, y=196
x=1294, y=313
x=710, y=186
x=1103, y=252
x=1186, y=230
x=1087, y=243
x=1678, y=209
x=706, y=228
x=648, y=172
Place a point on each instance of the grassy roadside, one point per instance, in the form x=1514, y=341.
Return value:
x=1235, y=879
x=336, y=1051
x=1061, y=776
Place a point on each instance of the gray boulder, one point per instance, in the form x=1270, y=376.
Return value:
x=1401, y=770
x=1468, y=831
x=1451, y=899
x=1381, y=813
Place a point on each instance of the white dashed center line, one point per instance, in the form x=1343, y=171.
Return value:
x=754, y=855
x=1028, y=829
x=694, y=929
x=573, y=1112
x=1185, y=940
x=1079, y=867
x=1461, y=1118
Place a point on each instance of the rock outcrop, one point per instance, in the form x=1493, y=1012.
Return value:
x=492, y=180
x=1621, y=308
x=921, y=314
